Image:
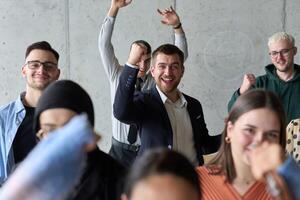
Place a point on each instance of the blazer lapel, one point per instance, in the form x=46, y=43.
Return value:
x=163, y=112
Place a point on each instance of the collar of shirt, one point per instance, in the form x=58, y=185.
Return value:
x=181, y=102
x=19, y=103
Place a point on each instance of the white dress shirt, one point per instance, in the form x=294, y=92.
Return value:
x=183, y=139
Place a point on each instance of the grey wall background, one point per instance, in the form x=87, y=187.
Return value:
x=226, y=39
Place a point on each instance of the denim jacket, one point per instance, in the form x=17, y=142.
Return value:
x=11, y=117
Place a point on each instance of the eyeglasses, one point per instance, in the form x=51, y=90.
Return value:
x=283, y=52
x=35, y=64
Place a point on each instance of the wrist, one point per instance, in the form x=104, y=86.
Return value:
x=177, y=26
x=131, y=62
x=113, y=10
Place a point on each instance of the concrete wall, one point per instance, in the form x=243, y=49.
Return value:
x=226, y=39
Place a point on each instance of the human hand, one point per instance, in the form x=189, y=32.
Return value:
x=248, y=81
x=169, y=16
x=265, y=158
x=137, y=53
x=120, y=3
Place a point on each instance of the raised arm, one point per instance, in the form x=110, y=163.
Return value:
x=116, y=5
x=110, y=62
x=248, y=83
x=127, y=105
x=171, y=18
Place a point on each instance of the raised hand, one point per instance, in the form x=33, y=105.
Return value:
x=264, y=158
x=120, y=3
x=137, y=53
x=116, y=5
x=169, y=16
x=248, y=81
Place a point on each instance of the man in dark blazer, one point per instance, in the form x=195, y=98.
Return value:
x=165, y=116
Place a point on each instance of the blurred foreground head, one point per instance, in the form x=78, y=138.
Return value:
x=162, y=174
x=61, y=101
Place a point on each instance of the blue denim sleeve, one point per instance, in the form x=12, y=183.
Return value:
x=54, y=166
x=290, y=171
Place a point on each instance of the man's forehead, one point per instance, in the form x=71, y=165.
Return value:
x=38, y=54
x=282, y=43
x=161, y=57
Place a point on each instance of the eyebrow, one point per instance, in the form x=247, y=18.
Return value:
x=252, y=126
x=162, y=63
x=42, y=62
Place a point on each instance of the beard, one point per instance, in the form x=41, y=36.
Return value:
x=285, y=68
x=38, y=85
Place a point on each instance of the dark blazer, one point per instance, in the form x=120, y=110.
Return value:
x=147, y=111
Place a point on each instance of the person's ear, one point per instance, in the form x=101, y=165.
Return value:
x=23, y=70
x=58, y=74
x=229, y=129
x=183, y=69
x=152, y=70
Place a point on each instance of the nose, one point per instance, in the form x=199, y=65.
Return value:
x=258, y=139
x=41, y=68
x=168, y=70
x=279, y=56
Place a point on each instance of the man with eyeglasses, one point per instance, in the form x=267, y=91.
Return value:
x=17, y=137
x=282, y=76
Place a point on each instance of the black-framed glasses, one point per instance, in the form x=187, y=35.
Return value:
x=283, y=52
x=35, y=64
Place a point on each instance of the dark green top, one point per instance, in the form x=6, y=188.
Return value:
x=288, y=91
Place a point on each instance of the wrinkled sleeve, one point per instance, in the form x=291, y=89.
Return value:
x=290, y=171
x=181, y=43
x=110, y=62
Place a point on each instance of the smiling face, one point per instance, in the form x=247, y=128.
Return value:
x=167, y=71
x=252, y=128
x=163, y=187
x=40, y=77
x=283, y=61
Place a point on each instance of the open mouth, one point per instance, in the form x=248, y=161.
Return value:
x=167, y=80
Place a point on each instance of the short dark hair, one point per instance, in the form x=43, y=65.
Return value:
x=161, y=161
x=168, y=49
x=43, y=45
x=248, y=101
x=147, y=45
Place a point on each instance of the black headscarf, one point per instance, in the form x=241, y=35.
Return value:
x=64, y=94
